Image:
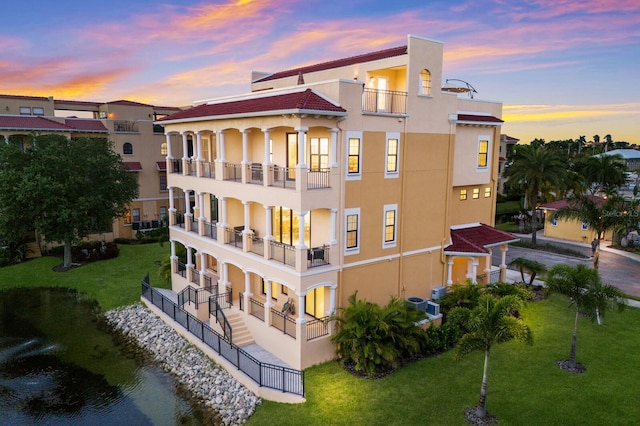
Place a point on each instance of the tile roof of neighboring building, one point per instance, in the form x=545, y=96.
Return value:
x=472, y=118
x=79, y=103
x=555, y=205
x=477, y=238
x=304, y=101
x=367, y=57
x=132, y=166
x=126, y=102
x=508, y=138
x=161, y=165
x=86, y=125
x=30, y=122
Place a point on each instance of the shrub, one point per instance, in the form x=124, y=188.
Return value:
x=92, y=251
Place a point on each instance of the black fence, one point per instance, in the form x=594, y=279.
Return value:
x=266, y=375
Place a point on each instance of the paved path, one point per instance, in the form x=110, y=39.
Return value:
x=616, y=267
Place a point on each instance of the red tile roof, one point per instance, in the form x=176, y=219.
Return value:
x=367, y=57
x=508, y=138
x=477, y=239
x=478, y=118
x=132, y=166
x=300, y=102
x=161, y=165
x=86, y=125
x=556, y=205
x=30, y=122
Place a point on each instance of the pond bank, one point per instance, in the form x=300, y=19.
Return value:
x=193, y=369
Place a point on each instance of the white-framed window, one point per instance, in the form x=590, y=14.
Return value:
x=163, y=181
x=392, y=158
x=476, y=193
x=25, y=110
x=483, y=152
x=354, y=155
x=319, y=153
x=584, y=226
x=38, y=111
x=352, y=231
x=390, y=225
x=425, y=82
x=463, y=194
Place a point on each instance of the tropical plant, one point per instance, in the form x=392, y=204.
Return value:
x=590, y=296
x=374, y=339
x=461, y=295
x=602, y=173
x=492, y=321
x=530, y=266
x=501, y=289
x=534, y=168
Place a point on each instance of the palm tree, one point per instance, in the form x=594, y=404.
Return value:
x=492, y=321
x=532, y=267
x=583, y=285
x=602, y=173
x=533, y=168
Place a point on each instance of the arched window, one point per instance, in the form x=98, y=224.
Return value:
x=425, y=82
x=163, y=148
x=127, y=148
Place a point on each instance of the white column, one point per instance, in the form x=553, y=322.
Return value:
x=224, y=273
x=172, y=207
x=201, y=205
x=300, y=309
x=333, y=155
x=199, y=146
x=220, y=139
x=267, y=284
x=223, y=211
x=245, y=146
x=267, y=146
x=332, y=300
x=247, y=216
x=449, y=271
x=203, y=264
x=301, y=230
x=474, y=271
x=247, y=282
x=334, y=218
x=189, y=254
x=269, y=227
x=503, y=256
x=185, y=149
x=301, y=146
x=173, y=249
x=187, y=199
x=169, y=153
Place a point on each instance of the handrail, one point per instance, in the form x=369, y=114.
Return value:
x=216, y=310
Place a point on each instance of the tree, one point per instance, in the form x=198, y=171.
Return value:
x=602, y=173
x=586, y=291
x=64, y=189
x=530, y=266
x=533, y=168
x=492, y=321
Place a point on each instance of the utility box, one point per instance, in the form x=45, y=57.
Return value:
x=433, y=308
x=438, y=292
x=418, y=302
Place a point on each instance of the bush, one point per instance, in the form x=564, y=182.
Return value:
x=440, y=339
x=92, y=251
x=5, y=256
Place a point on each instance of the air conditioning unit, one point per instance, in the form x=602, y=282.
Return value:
x=418, y=302
x=438, y=292
x=433, y=308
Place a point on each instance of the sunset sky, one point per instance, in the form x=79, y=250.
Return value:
x=562, y=68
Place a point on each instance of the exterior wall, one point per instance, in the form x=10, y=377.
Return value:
x=473, y=210
x=571, y=230
x=11, y=104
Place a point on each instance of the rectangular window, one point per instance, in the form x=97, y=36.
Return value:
x=25, y=110
x=284, y=290
x=163, y=214
x=463, y=194
x=554, y=222
x=136, y=215
x=163, y=181
x=319, y=153
x=354, y=155
x=38, y=111
x=389, y=228
x=392, y=158
x=483, y=153
x=127, y=218
x=476, y=193
x=352, y=227
x=487, y=192
x=585, y=226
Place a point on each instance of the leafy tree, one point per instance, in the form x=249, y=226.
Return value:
x=64, y=189
x=602, y=173
x=530, y=266
x=532, y=168
x=492, y=321
x=589, y=295
x=375, y=339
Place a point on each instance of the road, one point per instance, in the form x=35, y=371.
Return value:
x=614, y=269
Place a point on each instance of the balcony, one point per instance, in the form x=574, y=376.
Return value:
x=125, y=126
x=384, y=101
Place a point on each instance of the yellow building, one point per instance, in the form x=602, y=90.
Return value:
x=570, y=229
x=129, y=125
x=360, y=174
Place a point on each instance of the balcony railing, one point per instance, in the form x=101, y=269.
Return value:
x=317, y=179
x=318, y=327
x=180, y=219
x=208, y=170
x=125, y=126
x=182, y=270
x=211, y=230
x=283, y=322
x=384, y=101
x=256, y=309
x=176, y=166
x=283, y=253
x=192, y=167
x=233, y=172
x=233, y=236
x=318, y=256
x=195, y=276
x=284, y=177
x=257, y=245
x=194, y=226
x=254, y=173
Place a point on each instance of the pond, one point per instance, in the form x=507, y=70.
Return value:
x=60, y=366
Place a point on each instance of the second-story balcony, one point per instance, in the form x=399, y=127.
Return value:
x=384, y=101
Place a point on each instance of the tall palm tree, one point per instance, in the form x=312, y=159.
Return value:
x=533, y=168
x=587, y=292
x=602, y=173
x=491, y=321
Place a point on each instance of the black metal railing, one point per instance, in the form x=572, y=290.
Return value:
x=256, y=309
x=283, y=322
x=216, y=304
x=318, y=179
x=208, y=170
x=233, y=236
x=317, y=328
x=211, y=230
x=125, y=126
x=241, y=301
x=233, y=172
x=176, y=166
x=180, y=219
x=195, y=276
x=254, y=173
x=318, y=256
x=384, y=101
x=284, y=177
x=271, y=376
x=192, y=167
x=194, y=226
x=182, y=270
x=283, y=253
x=257, y=245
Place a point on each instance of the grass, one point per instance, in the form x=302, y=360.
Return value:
x=113, y=283
x=507, y=207
x=550, y=248
x=525, y=386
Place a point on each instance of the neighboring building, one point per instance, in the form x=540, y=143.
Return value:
x=129, y=125
x=569, y=229
x=630, y=157
x=355, y=175
x=506, y=148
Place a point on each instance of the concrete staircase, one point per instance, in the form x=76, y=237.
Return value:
x=240, y=333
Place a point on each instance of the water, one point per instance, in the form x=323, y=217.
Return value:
x=58, y=366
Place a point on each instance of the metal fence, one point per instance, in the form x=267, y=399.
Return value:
x=270, y=376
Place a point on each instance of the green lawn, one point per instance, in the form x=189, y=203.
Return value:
x=525, y=386
x=114, y=282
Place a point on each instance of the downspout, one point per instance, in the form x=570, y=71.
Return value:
x=403, y=149
x=453, y=118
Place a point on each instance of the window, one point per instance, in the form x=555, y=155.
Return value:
x=136, y=215
x=487, y=192
x=319, y=153
x=463, y=194
x=274, y=289
x=392, y=157
x=163, y=148
x=352, y=226
x=163, y=181
x=425, y=82
x=127, y=218
x=483, y=153
x=213, y=212
x=354, y=155
x=127, y=148
x=163, y=214
x=476, y=193
x=25, y=110
x=554, y=221
x=314, y=302
x=389, y=228
x=284, y=290
x=212, y=263
x=38, y=111
x=286, y=226
x=584, y=226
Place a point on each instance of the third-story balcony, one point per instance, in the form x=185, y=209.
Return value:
x=384, y=101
